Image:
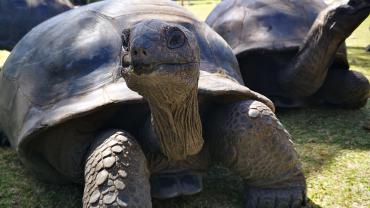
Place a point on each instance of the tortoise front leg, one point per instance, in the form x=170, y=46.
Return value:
x=248, y=138
x=116, y=173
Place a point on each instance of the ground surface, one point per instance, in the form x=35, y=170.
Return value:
x=334, y=148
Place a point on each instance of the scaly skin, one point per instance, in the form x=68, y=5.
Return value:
x=116, y=173
x=248, y=138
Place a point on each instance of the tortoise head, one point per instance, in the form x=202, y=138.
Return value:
x=160, y=61
x=160, y=56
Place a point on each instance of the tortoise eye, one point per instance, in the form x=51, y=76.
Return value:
x=175, y=38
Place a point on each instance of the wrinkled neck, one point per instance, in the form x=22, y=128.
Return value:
x=178, y=126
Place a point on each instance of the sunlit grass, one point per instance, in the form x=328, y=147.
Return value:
x=3, y=56
x=201, y=8
x=344, y=182
x=359, y=59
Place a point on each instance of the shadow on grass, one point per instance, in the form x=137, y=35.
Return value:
x=343, y=127
x=321, y=133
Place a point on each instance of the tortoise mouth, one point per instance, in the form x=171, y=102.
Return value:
x=155, y=68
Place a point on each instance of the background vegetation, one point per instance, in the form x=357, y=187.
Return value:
x=334, y=148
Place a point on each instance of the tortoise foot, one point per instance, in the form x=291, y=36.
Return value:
x=275, y=197
x=170, y=185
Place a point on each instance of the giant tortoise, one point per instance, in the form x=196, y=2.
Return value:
x=17, y=17
x=137, y=99
x=293, y=51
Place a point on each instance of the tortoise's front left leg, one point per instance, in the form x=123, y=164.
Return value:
x=116, y=173
x=248, y=138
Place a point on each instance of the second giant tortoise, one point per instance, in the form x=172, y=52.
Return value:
x=292, y=51
x=17, y=17
x=72, y=117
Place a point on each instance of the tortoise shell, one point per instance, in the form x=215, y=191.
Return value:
x=272, y=25
x=20, y=16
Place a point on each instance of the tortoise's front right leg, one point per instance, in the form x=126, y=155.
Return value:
x=247, y=137
x=116, y=173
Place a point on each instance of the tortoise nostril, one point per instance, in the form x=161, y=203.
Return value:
x=135, y=52
x=144, y=52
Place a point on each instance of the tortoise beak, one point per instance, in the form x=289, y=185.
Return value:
x=125, y=63
x=126, y=59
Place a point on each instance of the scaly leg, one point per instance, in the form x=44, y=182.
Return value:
x=247, y=137
x=116, y=173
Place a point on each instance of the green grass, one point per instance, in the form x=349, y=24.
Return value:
x=201, y=8
x=334, y=149
x=358, y=57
